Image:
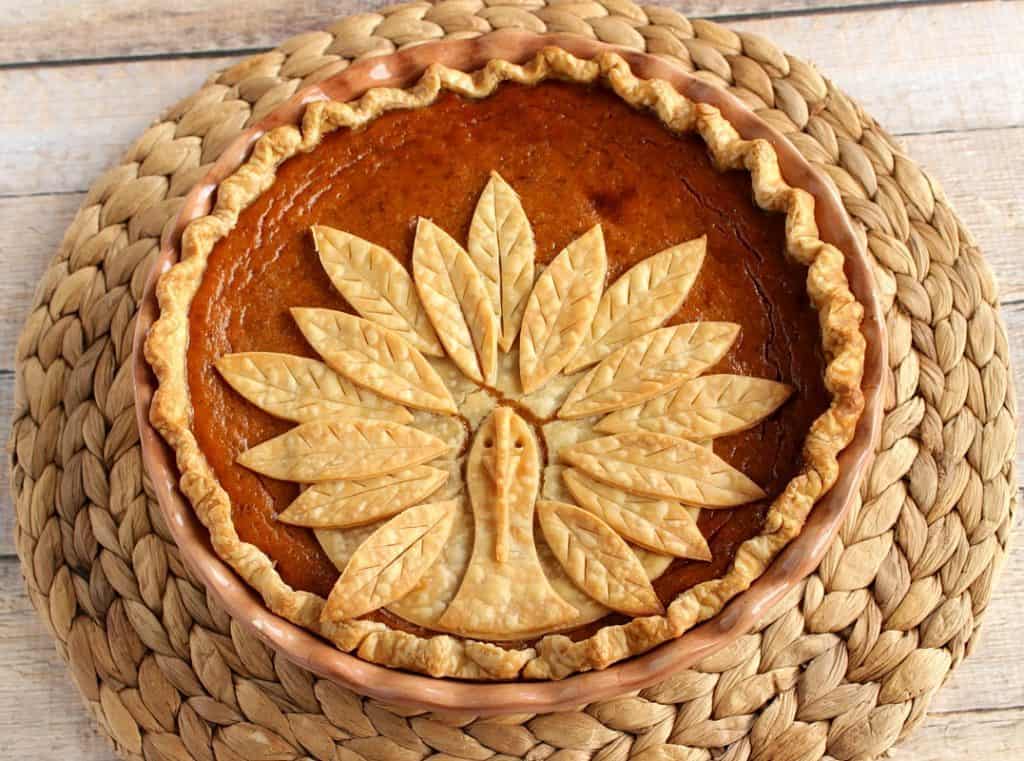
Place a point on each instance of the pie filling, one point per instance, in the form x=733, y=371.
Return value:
x=577, y=157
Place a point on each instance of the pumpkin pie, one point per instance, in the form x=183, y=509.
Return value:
x=509, y=374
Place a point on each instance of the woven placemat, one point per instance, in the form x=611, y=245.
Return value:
x=843, y=667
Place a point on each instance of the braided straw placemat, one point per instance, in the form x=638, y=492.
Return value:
x=843, y=667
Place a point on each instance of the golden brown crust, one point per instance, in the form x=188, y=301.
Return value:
x=556, y=656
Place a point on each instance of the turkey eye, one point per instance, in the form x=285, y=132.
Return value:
x=519, y=445
x=488, y=443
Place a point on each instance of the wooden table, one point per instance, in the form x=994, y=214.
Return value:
x=79, y=80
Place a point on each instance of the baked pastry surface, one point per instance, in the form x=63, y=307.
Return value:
x=600, y=386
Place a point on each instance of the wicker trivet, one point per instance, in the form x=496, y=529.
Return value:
x=844, y=666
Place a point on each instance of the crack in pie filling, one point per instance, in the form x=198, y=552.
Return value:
x=510, y=374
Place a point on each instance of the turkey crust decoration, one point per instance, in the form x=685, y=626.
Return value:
x=469, y=531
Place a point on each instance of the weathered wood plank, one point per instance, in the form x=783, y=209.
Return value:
x=920, y=69
x=899, y=77
x=995, y=735
x=979, y=173
x=102, y=29
x=42, y=716
x=31, y=228
x=88, y=116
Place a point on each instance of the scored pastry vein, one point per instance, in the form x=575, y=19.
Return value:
x=502, y=247
x=455, y=297
x=703, y=408
x=302, y=389
x=560, y=308
x=649, y=366
x=641, y=300
x=376, y=285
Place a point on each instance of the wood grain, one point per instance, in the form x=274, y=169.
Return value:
x=31, y=228
x=102, y=29
x=42, y=716
x=109, y=105
x=919, y=69
x=953, y=737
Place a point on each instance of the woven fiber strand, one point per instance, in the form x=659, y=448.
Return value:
x=843, y=667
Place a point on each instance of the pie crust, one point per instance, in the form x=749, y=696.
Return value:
x=634, y=484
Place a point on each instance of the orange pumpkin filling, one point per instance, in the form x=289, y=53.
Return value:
x=577, y=157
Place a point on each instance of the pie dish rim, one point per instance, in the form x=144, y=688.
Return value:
x=593, y=658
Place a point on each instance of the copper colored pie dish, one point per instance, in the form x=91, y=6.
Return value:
x=606, y=412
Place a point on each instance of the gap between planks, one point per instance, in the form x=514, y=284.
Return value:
x=95, y=30
x=901, y=79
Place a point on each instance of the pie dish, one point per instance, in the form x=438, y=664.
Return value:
x=598, y=409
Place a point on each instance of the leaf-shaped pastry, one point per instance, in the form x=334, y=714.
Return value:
x=376, y=285
x=342, y=504
x=334, y=449
x=455, y=296
x=391, y=561
x=560, y=308
x=502, y=247
x=597, y=559
x=656, y=465
x=375, y=358
x=504, y=592
x=703, y=408
x=649, y=366
x=641, y=300
x=302, y=389
x=663, y=526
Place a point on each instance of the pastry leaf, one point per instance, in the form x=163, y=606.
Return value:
x=656, y=465
x=454, y=294
x=302, y=389
x=376, y=285
x=342, y=504
x=649, y=366
x=560, y=309
x=334, y=449
x=391, y=561
x=642, y=300
x=597, y=559
x=663, y=526
x=502, y=247
x=703, y=408
x=375, y=358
